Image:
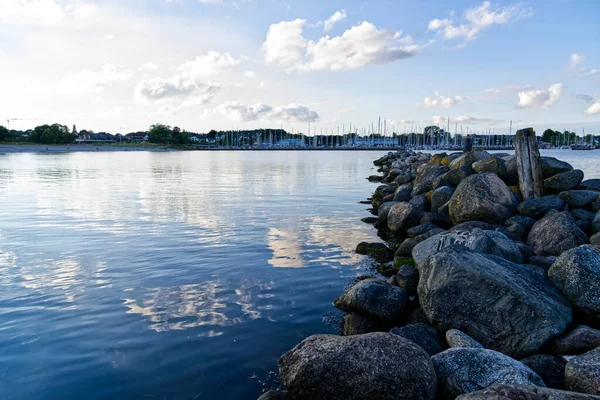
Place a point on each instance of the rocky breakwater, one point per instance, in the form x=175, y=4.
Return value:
x=476, y=294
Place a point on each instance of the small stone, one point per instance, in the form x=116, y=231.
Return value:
x=379, y=251
x=577, y=341
x=407, y=278
x=582, y=373
x=459, y=339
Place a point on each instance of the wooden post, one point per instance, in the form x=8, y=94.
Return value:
x=531, y=180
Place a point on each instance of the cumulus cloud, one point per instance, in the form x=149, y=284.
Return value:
x=208, y=64
x=187, y=92
x=41, y=12
x=576, y=60
x=334, y=19
x=594, y=108
x=357, y=47
x=250, y=74
x=478, y=19
x=87, y=81
x=540, y=98
x=439, y=101
x=236, y=111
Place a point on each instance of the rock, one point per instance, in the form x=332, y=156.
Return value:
x=407, y=278
x=488, y=242
x=579, y=214
x=404, y=178
x=406, y=247
x=370, y=220
x=576, y=273
x=512, y=175
x=441, y=196
x=591, y=183
x=420, y=229
x=383, y=190
x=275, y=395
x=403, y=216
x=375, y=178
x=492, y=164
x=579, y=198
x=378, y=251
x=596, y=223
x=468, y=370
x=374, y=298
x=467, y=159
x=537, y=208
x=356, y=324
x=403, y=192
x=518, y=231
x=423, y=335
x=563, y=181
x=526, y=222
x=429, y=234
x=482, y=197
x=420, y=202
x=453, y=177
x=582, y=373
x=438, y=219
x=540, y=261
x=424, y=181
x=526, y=252
x=524, y=392
x=595, y=239
x=417, y=316
x=459, y=339
x=503, y=305
x=549, y=367
x=578, y=341
x=551, y=166
x=383, y=210
x=372, y=366
x=554, y=234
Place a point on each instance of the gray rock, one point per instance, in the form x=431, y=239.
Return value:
x=596, y=223
x=372, y=366
x=428, y=234
x=402, y=193
x=595, y=239
x=526, y=252
x=459, y=339
x=375, y=178
x=578, y=341
x=404, y=178
x=488, y=242
x=420, y=202
x=379, y=251
x=423, y=335
x=537, y=208
x=469, y=370
x=403, y=216
x=549, y=367
x=423, y=183
x=383, y=210
x=406, y=247
x=579, y=214
x=526, y=222
x=384, y=190
x=275, y=395
x=469, y=158
x=541, y=261
x=582, y=373
x=356, y=324
x=374, y=298
x=551, y=166
x=579, y=198
x=576, y=273
x=504, y=306
x=454, y=176
x=407, y=278
x=512, y=175
x=482, y=197
x=438, y=219
x=563, y=181
x=524, y=392
x=441, y=196
x=591, y=183
x=554, y=234
x=492, y=164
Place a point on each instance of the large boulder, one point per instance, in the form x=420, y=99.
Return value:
x=453, y=177
x=481, y=241
x=537, y=208
x=576, y=273
x=371, y=366
x=374, y=298
x=554, y=234
x=582, y=373
x=482, y=197
x=579, y=198
x=424, y=335
x=578, y=341
x=551, y=166
x=403, y=192
x=591, y=183
x=524, y=392
x=504, y=306
x=563, y=181
x=492, y=164
x=549, y=367
x=469, y=158
x=463, y=370
x=383, y=210
x=403, y=216
x=423, y=183
x=441, y=196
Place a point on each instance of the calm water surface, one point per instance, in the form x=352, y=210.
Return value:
x=174, y=275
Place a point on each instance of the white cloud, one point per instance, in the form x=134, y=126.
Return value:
x=87, y=81
x=576, y=60
x=589, y=71
x=477, y=20
x=594, y=108
x=236, y=111
x=250, y=74
x=513, y=88
x=148, y=66
x=357, y=47
x=334, y=19
x=208, y=64
x=185, y=91
x=111, y=113
x=41, y=12
x=439, y=101
x=541, y=98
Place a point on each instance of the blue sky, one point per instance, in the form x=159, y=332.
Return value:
x=209, y=64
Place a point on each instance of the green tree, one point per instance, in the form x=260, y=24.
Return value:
x=179, y=137
x=52, y=134
x=160, y=133
x=4, y=133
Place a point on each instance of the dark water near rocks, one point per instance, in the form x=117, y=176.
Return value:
x=175, y=275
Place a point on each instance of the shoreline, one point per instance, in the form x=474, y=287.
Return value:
x=483, y=290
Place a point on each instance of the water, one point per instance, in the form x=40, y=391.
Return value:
x=171, y=275
x=175, y=275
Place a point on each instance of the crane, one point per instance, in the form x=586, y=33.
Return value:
x=18, y=119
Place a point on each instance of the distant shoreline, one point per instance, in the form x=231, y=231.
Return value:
x=74, y=148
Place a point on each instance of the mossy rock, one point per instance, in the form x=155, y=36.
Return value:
x=370, y=220
x=378, y=251
x=400, y=261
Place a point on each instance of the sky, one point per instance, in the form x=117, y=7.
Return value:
x=122, y=65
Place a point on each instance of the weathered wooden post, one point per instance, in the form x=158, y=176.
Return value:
x=531, y=180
